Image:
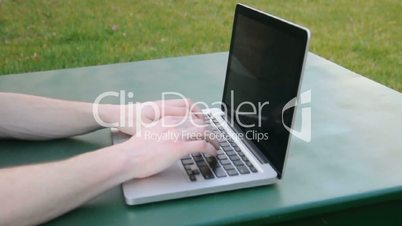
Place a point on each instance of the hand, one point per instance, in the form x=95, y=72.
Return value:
x=155, y=110
x=148, y=153
x=140, y=114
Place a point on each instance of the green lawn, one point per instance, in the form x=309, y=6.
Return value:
x=364, y=36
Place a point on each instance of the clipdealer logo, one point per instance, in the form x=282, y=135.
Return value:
x=254, y=135
x=305, y=131
x=126, y=99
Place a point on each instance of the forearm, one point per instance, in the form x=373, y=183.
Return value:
x=33, y=194
x=36, y=193
x=39, y=118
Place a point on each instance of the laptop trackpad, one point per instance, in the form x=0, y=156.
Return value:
x=171, y=180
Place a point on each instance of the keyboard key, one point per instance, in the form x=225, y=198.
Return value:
x=253, y=169
x=206, y=173
x=248, y=163
x=198, y=158
x=241, y=154
x=224, y=144
x=192, y=177
x=219, y=172
x=231, y=153
x=196, y=172
x=220, y=137
x=234, y=157
x=228, y=167
x=210, y=159
x=221, y=157
x=237, y=149
x=238, y=163
x=232, y=172
x=186, y=157
x=227, y=148
x=187, y=167
x=220, y=152
x=201, y=163
x=196, y=154
x=187, y=162
x=189, y=172
x=244, y=158
x=243, y=169
x=212, y=162
x=225, y=162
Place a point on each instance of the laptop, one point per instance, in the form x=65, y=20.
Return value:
x=265, y=67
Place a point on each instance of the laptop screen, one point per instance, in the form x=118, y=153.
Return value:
x=264, y=70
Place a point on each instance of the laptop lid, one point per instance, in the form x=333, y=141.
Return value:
x=264, y=71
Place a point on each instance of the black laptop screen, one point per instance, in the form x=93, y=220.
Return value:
x=264, y=70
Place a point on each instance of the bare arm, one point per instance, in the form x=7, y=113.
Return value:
x=39, y=118
x=37, y=193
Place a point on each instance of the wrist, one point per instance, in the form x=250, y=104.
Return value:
x=130, y=160
x=109, y=115
x=113, y=162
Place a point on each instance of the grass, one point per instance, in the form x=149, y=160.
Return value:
x=363, y=35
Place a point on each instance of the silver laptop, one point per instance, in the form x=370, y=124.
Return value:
x=264, y=70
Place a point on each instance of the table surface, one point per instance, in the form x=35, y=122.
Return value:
x=354, y=157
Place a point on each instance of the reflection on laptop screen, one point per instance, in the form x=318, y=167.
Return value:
x=265, y=65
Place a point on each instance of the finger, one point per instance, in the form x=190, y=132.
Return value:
x=193, y=122
x=172, y=121
x=212, y=139
x=197, y=111
x=186, y=103
x=194, y=133
x=176, y=102
x=174, y=111
x=196, y=146
x=181, y=122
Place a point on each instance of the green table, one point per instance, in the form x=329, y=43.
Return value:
x=354, y=159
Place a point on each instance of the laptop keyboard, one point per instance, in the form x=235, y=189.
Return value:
x=230, y=160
